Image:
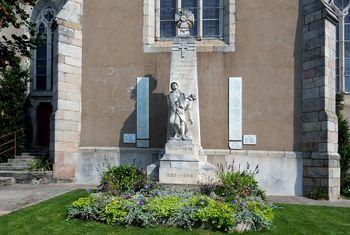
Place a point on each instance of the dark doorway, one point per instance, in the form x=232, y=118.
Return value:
x=44, y=116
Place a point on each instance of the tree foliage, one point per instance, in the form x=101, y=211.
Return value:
x=343, y=141
x=13, y=14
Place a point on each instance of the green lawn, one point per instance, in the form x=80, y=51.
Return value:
x=49, y=218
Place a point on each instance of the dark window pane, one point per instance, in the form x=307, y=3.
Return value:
x=193, y=31
x=339, y=3
x=167, y=14
x=211, y=28
x=347, y=49
x=337, y=83
x=42, y=28
x=337, y=67
x=210, y=3
x=168, y=4
x=167, y=29
x=337, y=33
x=41, y=52
x=347, y=67
x=337, y=50
x=211, y=13
x=49, y=16
x=347, y=32
x=40, y=62
x=189, y=4
x=41, y=82
x=347, y=19
x=41, y=70
x=347, y=83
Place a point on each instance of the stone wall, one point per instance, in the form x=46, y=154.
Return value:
x=280, y=172
x=320, y=127
x=67, y=89
x=267, y=59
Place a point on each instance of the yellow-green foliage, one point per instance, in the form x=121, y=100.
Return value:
x=214, y=214
x=165, y=206
x=115, y=211
x=84, y=202
x=262, y=210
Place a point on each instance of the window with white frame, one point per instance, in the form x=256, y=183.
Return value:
x=42, y=72
x=208, y=18
x=214, y=24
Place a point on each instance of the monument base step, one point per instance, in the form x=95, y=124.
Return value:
x=7, y=181
x=186, y=173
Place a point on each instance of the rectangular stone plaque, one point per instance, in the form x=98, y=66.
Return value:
x=249, y=139
x=179, y=165
x=235, y=145
x=235, y=110
x=142, y=144
x=129, y=139
x=142, y=107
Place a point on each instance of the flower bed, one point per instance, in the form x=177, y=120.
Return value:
x=235, y=204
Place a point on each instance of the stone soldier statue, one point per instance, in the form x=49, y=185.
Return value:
x=185, y=21
x=179, y=112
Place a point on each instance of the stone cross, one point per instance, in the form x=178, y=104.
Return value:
x=183, y=46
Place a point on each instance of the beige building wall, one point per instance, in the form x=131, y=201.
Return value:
x=267, y=56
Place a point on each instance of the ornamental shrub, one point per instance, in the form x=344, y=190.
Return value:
x=237, y=183
x=123, y=178
x=237, y=204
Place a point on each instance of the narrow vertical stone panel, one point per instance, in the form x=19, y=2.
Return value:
x=235, y=113
x=67, y=89
x=184, y=73
x=142, y=108
x=320, y=127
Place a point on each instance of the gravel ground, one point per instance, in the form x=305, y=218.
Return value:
x=14, y=197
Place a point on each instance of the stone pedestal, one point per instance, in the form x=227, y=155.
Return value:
x=182, y=164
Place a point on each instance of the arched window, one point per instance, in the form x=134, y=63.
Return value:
x=42, y=57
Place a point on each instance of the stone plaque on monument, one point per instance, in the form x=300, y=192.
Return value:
x=184, y=161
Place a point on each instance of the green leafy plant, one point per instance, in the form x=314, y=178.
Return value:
x=41, y=164
x=318, y=194
x=343, y=142
x=115, y=211
x=123, y=178
x=215, y=215
x=13, y=92
x=238, y=183
x=126, y=202
x=14, y=14
x=345, y=187
x=164, y=207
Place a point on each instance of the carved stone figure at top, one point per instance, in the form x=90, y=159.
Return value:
x=185, y=21
x=180, y=112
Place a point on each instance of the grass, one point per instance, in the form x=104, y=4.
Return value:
x=49, y=218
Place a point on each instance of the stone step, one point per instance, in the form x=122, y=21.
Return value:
x=20, y=159
x=29, y=177
x=15, y=166
x=7, y=181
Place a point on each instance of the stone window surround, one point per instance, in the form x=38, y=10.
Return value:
x=37, y=11
x=151, y=29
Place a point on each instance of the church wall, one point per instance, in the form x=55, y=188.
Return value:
x=267, y=45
